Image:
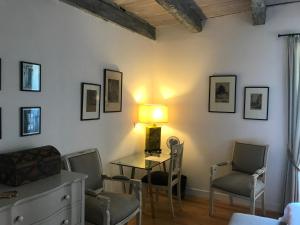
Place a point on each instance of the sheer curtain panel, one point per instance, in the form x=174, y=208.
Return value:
x=292, y=193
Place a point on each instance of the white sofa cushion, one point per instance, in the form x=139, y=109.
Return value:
x=245, y=219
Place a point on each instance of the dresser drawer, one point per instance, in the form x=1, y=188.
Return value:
x=66, y=216
x=30, y=211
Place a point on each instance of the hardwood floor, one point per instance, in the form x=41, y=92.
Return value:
x=194, y=212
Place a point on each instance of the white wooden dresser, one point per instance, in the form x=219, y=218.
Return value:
x=56, y=200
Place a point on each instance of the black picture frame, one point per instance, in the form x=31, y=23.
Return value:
x=29, y=80
x=0, y=123
x=256, y=103
x=31, y=118
x=113, y=85
x=224, y=104
x=0, y=74
x=90, y=101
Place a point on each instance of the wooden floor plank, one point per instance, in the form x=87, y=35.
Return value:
x=194, y=212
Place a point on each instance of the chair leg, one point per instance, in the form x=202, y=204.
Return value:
x=144, y=194
x=211, y=201
x=138, y=218
x=252, y=206
x=171, y=201
x=156, y=194
x=231, y=200
x=179, y=193
x=263, y=204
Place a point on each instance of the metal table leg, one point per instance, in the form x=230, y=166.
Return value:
x=132, y=177
x=122, y=173
x=150, y=193
x=165, y=168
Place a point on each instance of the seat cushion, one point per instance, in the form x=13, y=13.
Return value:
x=121, y=206
x=244, y=219
x=157, y=178
x=237, y=183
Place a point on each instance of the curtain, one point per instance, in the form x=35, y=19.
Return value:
x=292, y=193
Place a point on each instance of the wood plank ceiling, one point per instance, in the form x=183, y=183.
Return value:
x=157, y=16
x=144, y=16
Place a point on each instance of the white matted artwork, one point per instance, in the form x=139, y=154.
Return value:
x=222, y=93
x=30, y=121
x=256, y=103
x=90, y=101
x=30, y=77
x=112, y=91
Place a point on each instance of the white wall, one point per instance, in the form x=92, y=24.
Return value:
x=73, y=47
x=227, y=45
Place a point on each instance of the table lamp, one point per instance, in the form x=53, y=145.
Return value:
x=152, y=115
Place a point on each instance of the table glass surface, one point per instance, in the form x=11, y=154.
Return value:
x=142, y=160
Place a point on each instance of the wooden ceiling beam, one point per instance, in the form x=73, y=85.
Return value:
x=186, y=12
x=259, y=10
x=109, y=11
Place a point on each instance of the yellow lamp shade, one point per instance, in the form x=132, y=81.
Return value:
x=153, y=113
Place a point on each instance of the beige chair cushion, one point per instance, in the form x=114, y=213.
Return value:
x=237, y=183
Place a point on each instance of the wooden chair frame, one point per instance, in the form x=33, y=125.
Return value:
x=258, y=174
x=136, y=184
x=174, y=170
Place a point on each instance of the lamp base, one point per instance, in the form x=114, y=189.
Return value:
x=152, y=143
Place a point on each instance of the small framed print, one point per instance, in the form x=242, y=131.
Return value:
x=0, y=73
x=30, y=76
x=90, y=101
x=222, y=93
x=0, y=123
x=256, y=103
x=30, y=121
x=112, y=91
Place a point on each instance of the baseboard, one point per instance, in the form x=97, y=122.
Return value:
x=195, y=192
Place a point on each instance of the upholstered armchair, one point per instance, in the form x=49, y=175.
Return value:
x=246, y=178
x=103, y=207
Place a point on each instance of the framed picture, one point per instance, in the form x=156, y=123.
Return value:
x=90, y=101
x=0, y=123
x=112, y=91
x=0, y=73
x=222, y=93
x=30, y=77
x=30, y=121
x=256, y=103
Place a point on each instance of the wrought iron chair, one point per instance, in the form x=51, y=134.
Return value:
x=161, y=180
x=247, y=177
x=102, y=207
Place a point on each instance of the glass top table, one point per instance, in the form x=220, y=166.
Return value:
x=142, y=160
x=145, y=162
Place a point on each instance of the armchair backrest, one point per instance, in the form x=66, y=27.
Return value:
x=248, y=158
x=176, y=159
x=87, y=162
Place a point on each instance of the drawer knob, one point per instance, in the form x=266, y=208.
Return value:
x=65, y=222
x=19, y=219
x=67, y=197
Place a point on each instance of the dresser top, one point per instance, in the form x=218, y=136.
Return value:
x=36, y=188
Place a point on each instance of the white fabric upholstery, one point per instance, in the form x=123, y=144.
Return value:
x=291, y=214
x=245, y=219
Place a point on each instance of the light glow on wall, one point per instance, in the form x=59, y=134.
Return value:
x=140, y=95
